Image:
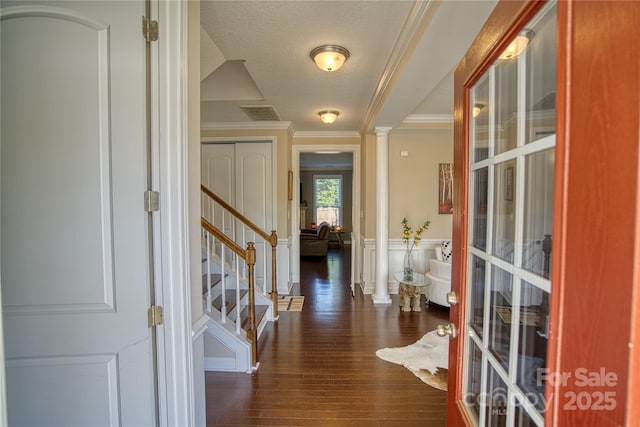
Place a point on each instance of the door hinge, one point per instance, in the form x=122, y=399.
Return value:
x=151, y=201
x=155, y=315
x=149, y=29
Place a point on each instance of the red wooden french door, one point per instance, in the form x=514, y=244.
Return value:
x=590, y=375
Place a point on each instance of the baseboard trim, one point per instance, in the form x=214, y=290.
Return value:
x=220, y=364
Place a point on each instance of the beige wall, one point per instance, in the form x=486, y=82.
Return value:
x=283, y=165
x=413, y=180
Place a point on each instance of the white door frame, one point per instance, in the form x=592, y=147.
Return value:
x=295, y=205
x=171, y=244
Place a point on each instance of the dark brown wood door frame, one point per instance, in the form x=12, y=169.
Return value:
x=596, y=253
x=596, y=247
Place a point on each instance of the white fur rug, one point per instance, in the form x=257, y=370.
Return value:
x=429, y=353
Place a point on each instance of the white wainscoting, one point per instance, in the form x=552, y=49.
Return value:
x=199, y=401
x=397, y=248
x=283, y=251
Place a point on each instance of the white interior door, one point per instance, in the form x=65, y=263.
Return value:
x=75, y=261
x=254, y=198
x=218, y=175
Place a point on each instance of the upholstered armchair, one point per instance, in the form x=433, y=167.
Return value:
x=315, y=242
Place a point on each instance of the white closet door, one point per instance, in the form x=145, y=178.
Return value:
x=254, y=189
x=242, y=174
x=254, y=198
x=218, y=175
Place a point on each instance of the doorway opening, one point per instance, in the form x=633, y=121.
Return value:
x=327, y=183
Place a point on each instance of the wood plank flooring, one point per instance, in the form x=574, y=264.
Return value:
x=318, y=367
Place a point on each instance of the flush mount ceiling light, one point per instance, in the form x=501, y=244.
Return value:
x=329, y=57
x=328, y=116
x=518, y=45
x=476, y=109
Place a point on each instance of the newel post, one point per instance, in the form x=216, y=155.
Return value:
x=252, y=332
x=274, y=277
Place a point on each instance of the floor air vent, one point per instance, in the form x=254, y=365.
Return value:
x=261, y=113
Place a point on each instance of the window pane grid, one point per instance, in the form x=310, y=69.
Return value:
x=472, y=376
x=542, y=144
x=476, y=295
x=511, y=170
x=530, y=415
x=516, y=394
x=520, y=273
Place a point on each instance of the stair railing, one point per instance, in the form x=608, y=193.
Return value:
x=272, y=238
x=249, y=257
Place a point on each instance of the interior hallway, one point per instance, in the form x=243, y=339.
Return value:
x=318, y=367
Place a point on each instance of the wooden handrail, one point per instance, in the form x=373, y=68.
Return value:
x=271, y=238
x=237, y=249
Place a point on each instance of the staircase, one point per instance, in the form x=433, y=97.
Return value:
x=237, y=305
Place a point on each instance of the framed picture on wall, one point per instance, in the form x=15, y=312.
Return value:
x=445, y=188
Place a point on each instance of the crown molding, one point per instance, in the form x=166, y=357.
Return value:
x=292, y=130
x=245, y=125
x=413, y=29
x=326, y=134
x=428, y=118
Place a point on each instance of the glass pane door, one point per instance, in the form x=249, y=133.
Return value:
x=512, y=137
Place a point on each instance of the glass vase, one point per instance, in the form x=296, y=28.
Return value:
x=408, y=266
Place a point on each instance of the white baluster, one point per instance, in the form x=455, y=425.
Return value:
x=223, y=310
x=208, y=279
x=264, y=267
x=238, y=306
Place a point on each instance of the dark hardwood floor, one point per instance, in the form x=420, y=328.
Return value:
x=318, y=367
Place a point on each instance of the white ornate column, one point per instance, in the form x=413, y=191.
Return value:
x=381, y=294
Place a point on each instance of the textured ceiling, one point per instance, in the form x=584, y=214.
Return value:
x=402, y=53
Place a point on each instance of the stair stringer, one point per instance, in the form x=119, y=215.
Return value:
x=239, y=345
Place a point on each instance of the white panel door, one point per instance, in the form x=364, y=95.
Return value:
x=254, y=198
x=75, y=261
x=218, y=175
x=254, y=183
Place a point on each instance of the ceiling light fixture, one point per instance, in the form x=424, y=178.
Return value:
x=476, y=109
x=518, y=45
x=329, y=57
x=328, y=116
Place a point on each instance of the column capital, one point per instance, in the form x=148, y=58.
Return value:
x=382, y=130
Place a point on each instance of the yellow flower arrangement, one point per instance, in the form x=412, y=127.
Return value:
x=407, y=231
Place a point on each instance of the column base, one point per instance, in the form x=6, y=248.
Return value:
x=386, y=299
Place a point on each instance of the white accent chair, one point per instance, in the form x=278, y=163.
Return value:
x=440, y=275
